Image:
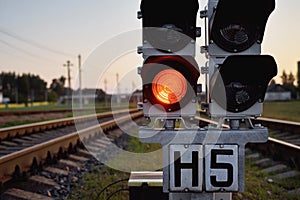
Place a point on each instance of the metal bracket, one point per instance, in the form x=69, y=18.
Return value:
x=204, y=49
x=204, y=70
x=203, y=136
x=203, y=14
x=140, y=50
x=198, y=31
x=139, y=15
x=169, y=123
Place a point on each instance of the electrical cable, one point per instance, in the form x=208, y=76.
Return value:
x=17, y=48
x=116, y=192
x=109, y=185
x=25, y=52
x=33, y=43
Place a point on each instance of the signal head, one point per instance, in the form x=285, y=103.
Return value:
x=169, y=25
x=241, y=81
x=237, y=25
x=169, y=83
x=169, y=71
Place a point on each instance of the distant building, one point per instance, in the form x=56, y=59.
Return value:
x=89, y=96
x=137, y=96
x=277, y=92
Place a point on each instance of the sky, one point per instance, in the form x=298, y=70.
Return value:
x=39, y=36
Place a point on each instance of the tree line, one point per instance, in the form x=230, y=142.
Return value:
x=26, y=88
x=288, y=82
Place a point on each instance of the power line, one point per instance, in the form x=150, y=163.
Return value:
x=33, y=43
x=17, y=56
x=21, y=50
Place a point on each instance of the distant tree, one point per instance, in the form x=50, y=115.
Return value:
x=62, y=80
x=8, y=82
x=291, y=78
x=272, y=82
x=20, y=88
x=38, y=87
x=23, y=88
x=100, y=95
x=57, y=88
x=52, y=96
x=288, y=83
x=284, y=78
x=298, y=83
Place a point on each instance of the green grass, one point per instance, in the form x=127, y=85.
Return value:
x=257, y=184
x=98, y=178
x=53, y=106
x=89, y=187
x=289, y=110
x=22, y=105
x=258, y=187
x=20, y=121
x=36, y=106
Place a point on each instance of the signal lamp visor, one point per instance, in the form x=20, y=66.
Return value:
x=169, y=82
x=169, y=86
x=242, y=80
x=237, y=25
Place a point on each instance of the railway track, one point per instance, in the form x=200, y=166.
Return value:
x=32, y=156
x=58, y=110
x=279, y=157
x=27, y=129
x=27, y=145
x=283, y=142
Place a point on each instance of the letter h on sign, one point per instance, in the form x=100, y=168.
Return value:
x=186, y=168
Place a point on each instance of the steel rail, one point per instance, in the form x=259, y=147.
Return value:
x=11, y=132
x=279, y=124
x=279, y=149
x=58, y=110
x=273, y=123
x=24, y=158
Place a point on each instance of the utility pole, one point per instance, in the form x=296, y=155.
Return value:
x=105, y=88
x=80, y=81
x=68, y=65
x=133, y=86
x=118, y=90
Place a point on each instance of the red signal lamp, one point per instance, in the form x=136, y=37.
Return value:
x=169, y=86
x=169, y=81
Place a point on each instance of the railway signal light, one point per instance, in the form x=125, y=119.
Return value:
x=243, y=80
x=239, y=74
x=170, y=72
x=211, y=158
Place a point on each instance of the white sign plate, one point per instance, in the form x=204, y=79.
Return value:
x=186, y=168
x=221, y=168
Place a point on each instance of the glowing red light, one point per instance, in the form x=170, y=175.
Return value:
x=169, y=86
